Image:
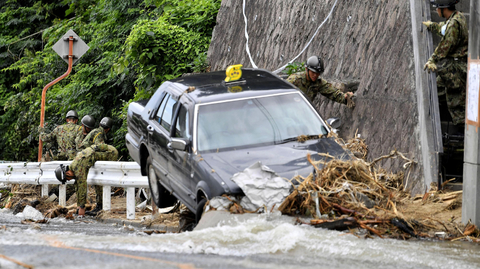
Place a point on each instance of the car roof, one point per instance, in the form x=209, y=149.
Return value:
x=211, y=87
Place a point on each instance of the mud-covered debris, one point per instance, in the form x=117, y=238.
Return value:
x=154, y=232
x=339, y=224
x=56, y=212
x=30, y=221
x=471, y=230
x=404, y=226
x=20, y=206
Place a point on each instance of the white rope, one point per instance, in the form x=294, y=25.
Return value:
x=306, y=46
x=246, y=35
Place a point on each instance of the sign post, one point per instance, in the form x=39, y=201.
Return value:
x=70, y=52
x=471, y=165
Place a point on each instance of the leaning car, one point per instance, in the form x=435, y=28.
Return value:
x=197, y=131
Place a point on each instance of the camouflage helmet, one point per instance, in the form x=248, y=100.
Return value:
x=106, y=123
x=60, y=173
x=72, y=114
x=443, y=3
x=315, y=64
x=88, y=121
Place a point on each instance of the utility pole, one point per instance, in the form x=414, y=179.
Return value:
x=70, y=52
x=471, y=166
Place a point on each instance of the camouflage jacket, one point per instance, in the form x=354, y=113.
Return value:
x=311, y=88
x=78, y=140
x=65, y=136
x=87, y=158
x=454, y=43
x=95, y=137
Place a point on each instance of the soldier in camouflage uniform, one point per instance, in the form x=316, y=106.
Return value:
x=311, y=84
x=88, y=124
x=97, y=136
x=79, y=168
x=450, y=58
x=64, y=135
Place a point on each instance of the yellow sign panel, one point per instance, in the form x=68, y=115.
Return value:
x=235, y=89
x=234, y=72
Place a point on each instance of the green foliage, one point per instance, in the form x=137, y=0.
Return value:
x=197, y=16
x=200, y=64
x=135, y=45
x=294, y=67
x=154, y=42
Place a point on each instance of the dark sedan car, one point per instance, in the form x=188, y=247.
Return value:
x=197, y=131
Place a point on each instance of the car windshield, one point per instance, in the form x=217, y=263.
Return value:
x=261, y=120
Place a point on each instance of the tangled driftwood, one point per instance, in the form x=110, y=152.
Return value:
x=349, y=194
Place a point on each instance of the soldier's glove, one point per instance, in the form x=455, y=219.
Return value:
x=427, y=24
x=430, y=67
x=349, y=97
x=41, y=129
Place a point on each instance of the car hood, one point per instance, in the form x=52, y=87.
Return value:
x=287, y=160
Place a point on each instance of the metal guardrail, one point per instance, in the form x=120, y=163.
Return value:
x=103, y=173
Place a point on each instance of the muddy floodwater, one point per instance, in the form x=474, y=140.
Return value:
x=261, y=242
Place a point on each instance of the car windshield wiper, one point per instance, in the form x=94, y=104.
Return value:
x=291, y=139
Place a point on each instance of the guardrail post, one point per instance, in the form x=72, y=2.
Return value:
x=105, y=173
x=107, y=198
x=45, y=190
x=131, y=203
x=62, y=195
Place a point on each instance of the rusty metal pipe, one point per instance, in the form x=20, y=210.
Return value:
x=44, y=92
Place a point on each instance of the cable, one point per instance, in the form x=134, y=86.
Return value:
x=246, y=35
x=306, y=46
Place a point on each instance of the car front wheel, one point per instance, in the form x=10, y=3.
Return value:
x=161, y=197
x=199, y=211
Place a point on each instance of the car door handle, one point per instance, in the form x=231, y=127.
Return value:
x=150, y=129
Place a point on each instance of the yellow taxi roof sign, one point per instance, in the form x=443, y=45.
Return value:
x=234, y=72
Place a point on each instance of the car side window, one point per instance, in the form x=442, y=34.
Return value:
x=181, y=129
x=166, y=111
x=158, y=117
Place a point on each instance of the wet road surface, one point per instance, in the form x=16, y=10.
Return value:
x=256, y=243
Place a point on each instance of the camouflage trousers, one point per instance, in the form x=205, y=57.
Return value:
x=86, y=159
x=452, y=86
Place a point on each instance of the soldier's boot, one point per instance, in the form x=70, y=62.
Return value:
x=95, y=211
x=81, y=212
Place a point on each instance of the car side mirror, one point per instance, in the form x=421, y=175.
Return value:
x=177, y=144
x=335, y=123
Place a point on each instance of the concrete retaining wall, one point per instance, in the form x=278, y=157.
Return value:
x=368, y=41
